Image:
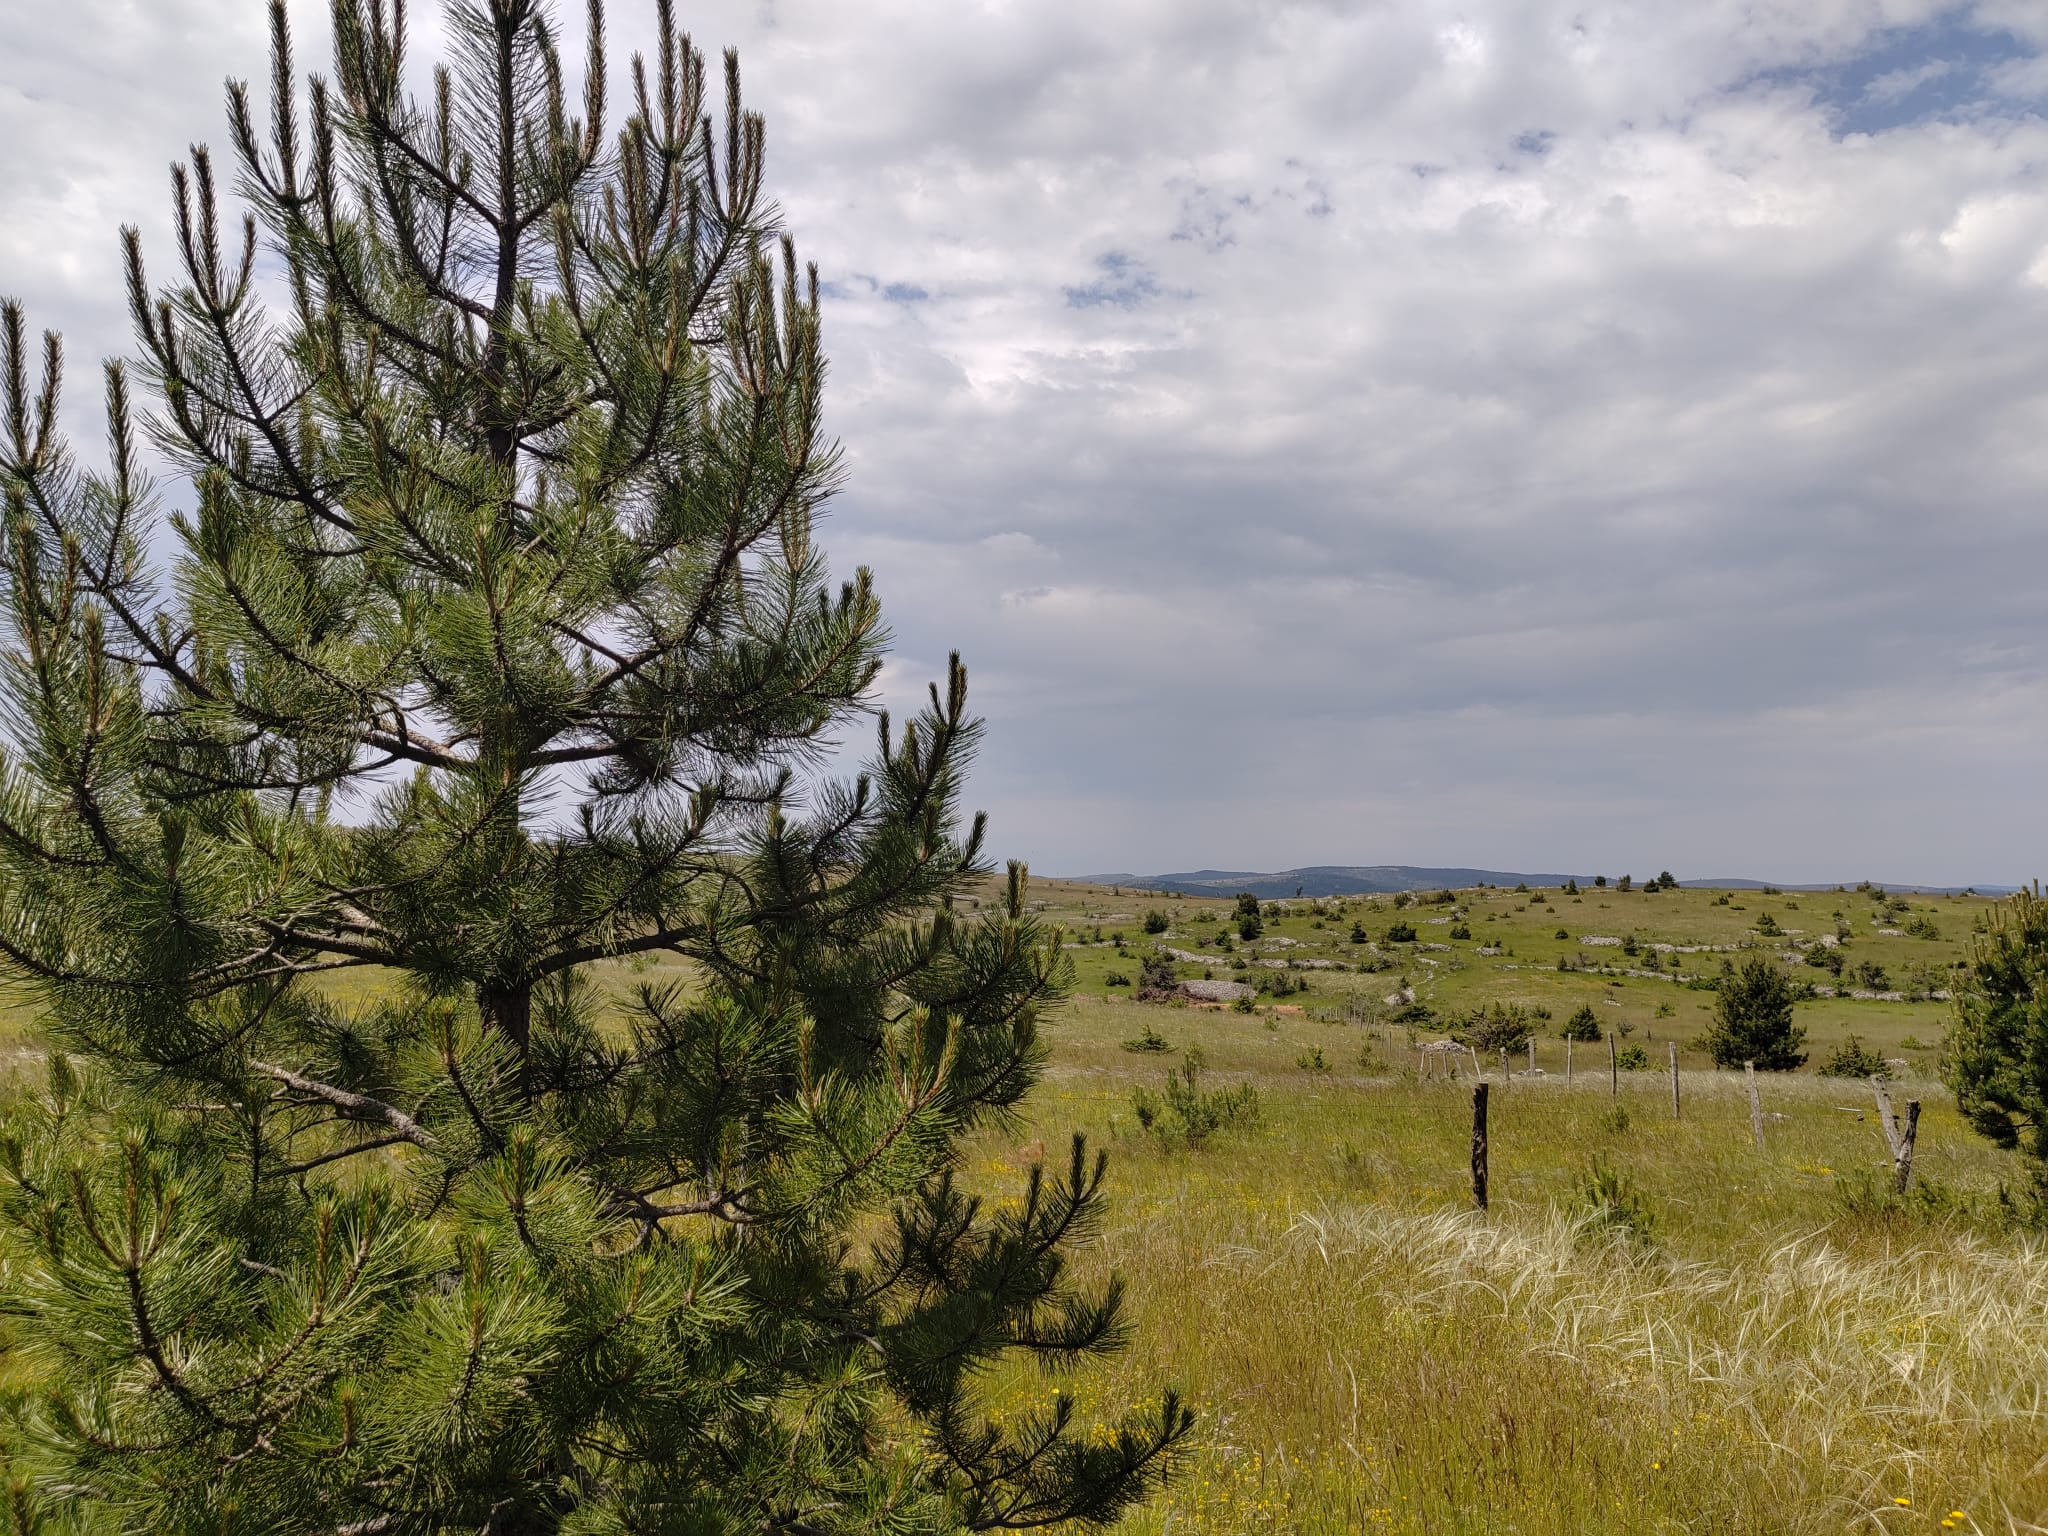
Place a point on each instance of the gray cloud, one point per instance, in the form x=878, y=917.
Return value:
x=1547, y=436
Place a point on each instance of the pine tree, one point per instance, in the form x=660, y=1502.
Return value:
x=496, y=648
x=1753, y=1020
x=1996, y=1055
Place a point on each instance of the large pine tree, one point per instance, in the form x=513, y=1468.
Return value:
x=495, y=648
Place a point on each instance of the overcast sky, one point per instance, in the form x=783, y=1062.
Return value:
x=1516, y=433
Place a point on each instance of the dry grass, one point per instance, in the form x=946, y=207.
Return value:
x=1370, y=1354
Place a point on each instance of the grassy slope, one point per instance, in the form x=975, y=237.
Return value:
x=1370, y=1355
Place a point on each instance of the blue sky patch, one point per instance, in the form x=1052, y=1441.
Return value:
x=1943, y=70
x=1125, y=284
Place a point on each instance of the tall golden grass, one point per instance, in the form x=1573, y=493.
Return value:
x=1784, y=1350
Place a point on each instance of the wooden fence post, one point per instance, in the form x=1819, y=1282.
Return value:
x=1899, y=1140
x=1756, y=1104
x=1532, y=1055
x=1674, y=1079
x=1503, y=1067
x=1613, y=1068
x=1902, y=1164
x=1567, y=1061
x=1479, y=1146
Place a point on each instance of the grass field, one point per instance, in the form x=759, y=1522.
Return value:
x=1769, y=1345
x=1723, y=1339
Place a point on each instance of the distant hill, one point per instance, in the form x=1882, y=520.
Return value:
x=1385, y=879
x=1325, y=880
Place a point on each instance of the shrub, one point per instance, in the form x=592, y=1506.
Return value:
x=1582, y=1026
x=1562, y=933
x=1155, y=921
x=1632, y=1058
x=1872, y=975
x=1614, y=1208
x=1247, y=905
x=1157, y=977
x=1186, y=1113
x=1495, y=1027
x=1242, y=1004
x=1312, y=1060
x=1400, y=933
x=1767, y=925
x=1629, y=946
x=2000, y=1035
x=1461, y=931
x=1853, y=1059
x=1116, y=979
x=1149, y=1040
x=1358, y=933
x=1402, y=899
x=1753, y=1020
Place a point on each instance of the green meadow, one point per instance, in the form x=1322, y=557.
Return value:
x=1718, y=1338
x=1656, y=1327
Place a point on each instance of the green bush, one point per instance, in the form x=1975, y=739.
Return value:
x=1853, y=1059
x=1188, y=1114
x=1312, y=1060
x=1753, y=1020
x=1116, y=979
x=1400, y=933
x=1461, y=931
x=1150, y=1040
x=1157, y=974
x=1155, y=921
x=1495, y=1027
x=1614, y=1208
x=1562, y=933
x=1582, y=1026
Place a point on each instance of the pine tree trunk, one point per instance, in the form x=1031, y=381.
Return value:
x=508, y=1009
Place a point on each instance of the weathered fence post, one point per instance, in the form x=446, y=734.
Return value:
x=1479, y=1146
x=1756, y=1104
x=1567, y=1061
x=1613, y=1068
x=1503, y=1066
x=1900, y=1141
x=1674, y=1079
x=1532, y=1055
x=1902, y=1164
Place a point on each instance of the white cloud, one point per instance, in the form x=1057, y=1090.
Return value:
x=1337, y=433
